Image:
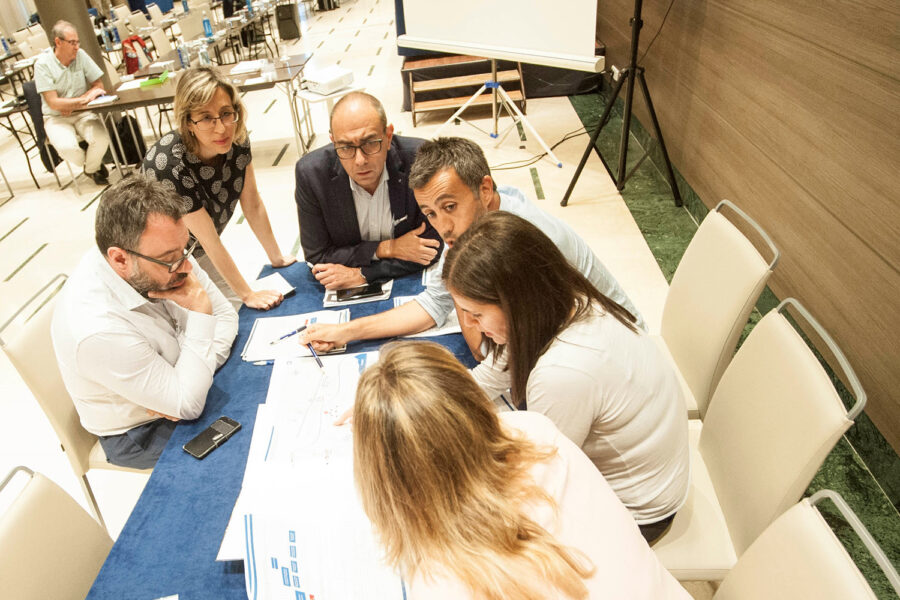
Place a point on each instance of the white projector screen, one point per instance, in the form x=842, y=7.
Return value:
x=541, y=32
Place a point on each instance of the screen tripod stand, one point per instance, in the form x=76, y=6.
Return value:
x=627, y=77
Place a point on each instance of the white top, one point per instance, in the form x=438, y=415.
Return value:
x=438, y=303
x=613, y=393
x=373, y=211
x=121, y=354
x=590, y=518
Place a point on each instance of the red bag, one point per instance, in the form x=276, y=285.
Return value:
x=129, y=53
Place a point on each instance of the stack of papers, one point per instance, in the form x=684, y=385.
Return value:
x=248, y=66
x=106, y=99
x=265, y=343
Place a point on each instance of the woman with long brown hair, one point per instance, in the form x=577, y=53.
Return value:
x=569, y=352
x=472, y=504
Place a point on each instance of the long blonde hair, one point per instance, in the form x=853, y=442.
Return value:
x=445, y=484
x=195, y=89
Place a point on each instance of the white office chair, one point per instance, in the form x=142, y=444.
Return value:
x=718, y=280
x=122, y=12
x=49, y=547
x=773, y=419
x=161, y=42
x=156, y=14
x=25, y=49
x=31, y=353
x=798, y=556
x=21, y=35
x=191, y=25
x=39, y=40
x=138, y=20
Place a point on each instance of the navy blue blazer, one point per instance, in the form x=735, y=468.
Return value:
x=329, y=226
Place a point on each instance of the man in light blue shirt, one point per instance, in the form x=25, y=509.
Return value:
x=453, y=188
x=68, y=80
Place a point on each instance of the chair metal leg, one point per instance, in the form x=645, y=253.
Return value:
x=92, y=501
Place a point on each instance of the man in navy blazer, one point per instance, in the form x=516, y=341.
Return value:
x=359, y=221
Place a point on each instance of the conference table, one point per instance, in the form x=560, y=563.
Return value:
x=169, y=544
x=285, y=73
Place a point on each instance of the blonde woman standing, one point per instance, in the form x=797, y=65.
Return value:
x=472, y=504
x=207, y=161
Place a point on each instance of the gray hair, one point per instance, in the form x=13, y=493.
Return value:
x=462, y=155
x=363, y=96
x=124, y=208
x=60, y=28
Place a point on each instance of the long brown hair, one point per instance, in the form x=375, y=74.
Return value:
x=503, y=259
x=444, y=483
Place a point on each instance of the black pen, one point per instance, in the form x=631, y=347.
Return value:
x=287, y=335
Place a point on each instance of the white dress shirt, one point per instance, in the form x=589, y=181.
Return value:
x=589, y=518
x=121, y=354
x=373, y=211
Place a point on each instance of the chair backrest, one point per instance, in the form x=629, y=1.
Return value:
x=26, y=49
x=111, y=72
x=773, y=419
x=21, y=35
x=156, y=14
x=191, y=25
x=798, y=556
x=31, y=353
x=718, y=280
x=49, y=546
x=39, y=41
x=137, y=19
x=161, y=42
x=122, y=12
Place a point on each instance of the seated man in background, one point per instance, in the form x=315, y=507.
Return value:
x=67, y=80
x=359, y=221
x=453, y=186
x=139, y=328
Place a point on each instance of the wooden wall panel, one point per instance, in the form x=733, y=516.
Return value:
x=792, y=110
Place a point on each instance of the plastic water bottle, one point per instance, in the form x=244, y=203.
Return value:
x=183, y=56
x=203, y=55
x=184, y=5
x=207, y=26
x=115, y=32
x=107, y=43
x=249, y=8
x=5, y=45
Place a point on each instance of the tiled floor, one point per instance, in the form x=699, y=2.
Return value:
x=45, y=232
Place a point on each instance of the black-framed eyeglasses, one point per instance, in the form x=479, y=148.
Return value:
x=209, y=123
x=368, y=147
x=172, y=266
x=72, y=42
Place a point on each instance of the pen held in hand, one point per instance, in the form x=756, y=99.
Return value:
x=287, y=335
x=316, y=356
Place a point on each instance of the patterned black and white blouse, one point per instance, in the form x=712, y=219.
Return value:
x=217, y=189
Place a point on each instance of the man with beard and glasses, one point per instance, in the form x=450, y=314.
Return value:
x=139, y=328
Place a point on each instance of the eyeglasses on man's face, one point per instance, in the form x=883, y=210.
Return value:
x=368, y=147
x=171, y=266
x=228, y=117
x=73, y=43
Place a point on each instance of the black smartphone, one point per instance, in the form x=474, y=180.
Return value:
x=363, y=291
x=212, y=437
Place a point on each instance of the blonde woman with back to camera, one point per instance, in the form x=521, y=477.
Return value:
x=207, y=161
x=471, y=504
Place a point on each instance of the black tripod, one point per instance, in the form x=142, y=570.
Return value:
x=630, y=74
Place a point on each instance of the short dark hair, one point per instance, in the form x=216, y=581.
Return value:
x=504, y=260
x=124, y=208
x=368, y=98
x=462, y=155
